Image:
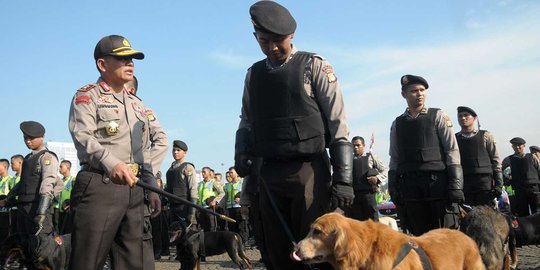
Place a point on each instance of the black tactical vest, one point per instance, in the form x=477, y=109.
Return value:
x=360, y=173
x=523, y=171
x=418, y=144
x=28, y=190
x=177, y=182
x=286, y=121
x=474, y=155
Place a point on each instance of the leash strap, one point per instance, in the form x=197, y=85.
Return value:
x=404, y=251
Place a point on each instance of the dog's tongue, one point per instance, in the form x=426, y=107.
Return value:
x=295, y=257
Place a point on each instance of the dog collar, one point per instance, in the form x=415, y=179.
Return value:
x=404, y=251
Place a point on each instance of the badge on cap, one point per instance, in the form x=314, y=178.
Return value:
x=329, y=73
x=404, y=80
x=112, y=128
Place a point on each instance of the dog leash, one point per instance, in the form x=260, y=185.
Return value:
x=404, y=251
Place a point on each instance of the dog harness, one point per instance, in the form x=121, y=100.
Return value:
x=404, y=251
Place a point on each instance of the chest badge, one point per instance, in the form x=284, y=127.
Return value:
x=112, y=128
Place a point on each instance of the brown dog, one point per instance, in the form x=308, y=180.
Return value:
x=350, y=244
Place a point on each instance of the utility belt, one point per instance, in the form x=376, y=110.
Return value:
x=292, y=159
x=135, y=168
x=420, y=174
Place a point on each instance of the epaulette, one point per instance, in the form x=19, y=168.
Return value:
x=319, y=56
x=87, y=87
x=132, y=94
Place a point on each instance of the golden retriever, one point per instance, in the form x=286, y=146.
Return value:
x=350, y=244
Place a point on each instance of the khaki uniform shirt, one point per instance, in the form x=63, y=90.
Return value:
x=320, y=83
x=158, y=140
x=491, y=147
x=446, y=136
x=51, y=184
x=109, y=128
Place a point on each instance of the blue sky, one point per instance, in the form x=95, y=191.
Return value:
x=483, y=54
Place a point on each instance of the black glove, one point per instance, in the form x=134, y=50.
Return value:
x=341, y=157
x=241, y=157
x=496, y=191
x=44, y=204
x=393, y=188
x=455, y=183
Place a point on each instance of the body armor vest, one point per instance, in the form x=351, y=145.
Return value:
x=360, y=174
x=28, y=190
x=418, y=144
x=286, y=121
x=523, y=171
x=474, y=155
x=177, y=183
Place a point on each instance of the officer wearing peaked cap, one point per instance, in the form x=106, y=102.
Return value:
x=425, y=178
x=525, y=180
x=292, y=109
x=37, y=187
x=483, y=179
x=110, y=129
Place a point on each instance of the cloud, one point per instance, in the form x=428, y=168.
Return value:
x=232, y=59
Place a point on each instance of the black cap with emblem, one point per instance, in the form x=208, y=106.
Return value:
x=32, y=129
x=517, y=141
x=115, y=45
x=534, y=148
x=407, y=80
x=271, y=17
x=461, y=109
x=180, y=144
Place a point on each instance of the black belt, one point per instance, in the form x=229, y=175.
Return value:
x=291, y=159
x=88, y=168
x=420, y=173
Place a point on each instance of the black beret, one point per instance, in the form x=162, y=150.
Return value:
x=32, y=129
x=269, y=16
x=534, y=148
x=407, y=80
x=180, y=144
x=116, y=45
x=517, y=140
x=466, y=109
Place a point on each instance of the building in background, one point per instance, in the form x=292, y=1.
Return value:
x=65, y=151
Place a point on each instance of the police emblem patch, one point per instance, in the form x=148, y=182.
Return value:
x=150, y=115
x=329, y=71
x=447, y=120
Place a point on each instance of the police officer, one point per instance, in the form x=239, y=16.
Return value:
x=209, y=194
x=182, y=182
x=291, y=100
x=483, y=180
x=425, y=176
x=235, y=208
x=525, y=170
x=110, y=129
x=368, y=173
x=535, y=151
x=39, y=183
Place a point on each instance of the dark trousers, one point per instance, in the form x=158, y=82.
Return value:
x=148, y=245
x=525, y=198
x=364, y=206
x=425, y=202
x=160, y=234
x=106, y=217
x=207, y=222
x=481, y=197
x=301, y=191
x=241, y=225
x=25, y=219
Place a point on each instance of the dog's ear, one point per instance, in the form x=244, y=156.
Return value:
x=341, y=243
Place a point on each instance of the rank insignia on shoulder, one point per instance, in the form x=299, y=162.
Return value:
x=329, y=71
x=150, y=115
x=47, y=161
x=447, y=121
x=87, y=88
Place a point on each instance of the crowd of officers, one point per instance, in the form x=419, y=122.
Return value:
x=294, y=161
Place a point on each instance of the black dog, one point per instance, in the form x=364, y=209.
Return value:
x=490, y=230
x=36, y=252
x=527, y=230
x=191, y=245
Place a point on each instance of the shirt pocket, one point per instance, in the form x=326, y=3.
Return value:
x=106, y=117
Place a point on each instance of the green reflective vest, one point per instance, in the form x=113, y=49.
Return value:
x=66, y=192
x=206, y=190
x=232, y=190
x=4, y=185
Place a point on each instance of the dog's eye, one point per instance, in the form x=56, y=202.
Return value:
x=316, y=232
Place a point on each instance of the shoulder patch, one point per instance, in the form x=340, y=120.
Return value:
x=82, y=99
x=189, y=171
x=150, y=115
x=447, y=120
x=329, y=71
x=87, y=87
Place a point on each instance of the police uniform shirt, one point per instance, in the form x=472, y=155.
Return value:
x=320, y=83
x=377, y=164
x=158, y=139
x=189, y=174
x=51, y=184
x=491, y=147
x=108, y=128
x=446, y=136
